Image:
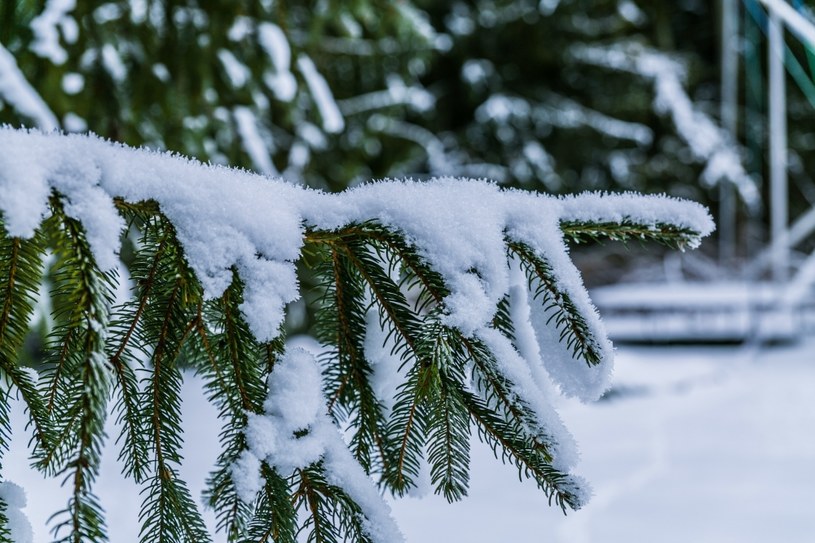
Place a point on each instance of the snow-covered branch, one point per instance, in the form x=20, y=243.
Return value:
x=501, y=316
x=226, y=217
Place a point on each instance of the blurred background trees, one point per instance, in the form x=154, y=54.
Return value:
x=553, y=95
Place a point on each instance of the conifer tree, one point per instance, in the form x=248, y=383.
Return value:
x=443, y=308
x=333, y=92
x=634, y=82
x=456, y=295
x=280, y=87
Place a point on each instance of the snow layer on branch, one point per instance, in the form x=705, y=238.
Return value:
x=650, y=211
x=223, y=217
x=274, y=43
x=333, y=120
x=228, y=218
x=456, y=226
x=15, y=90
x=231, y=219
x=15, y=499
x=706, y=140
x=295, y=404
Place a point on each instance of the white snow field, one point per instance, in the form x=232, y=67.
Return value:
x=707, y=444
x=695, y=444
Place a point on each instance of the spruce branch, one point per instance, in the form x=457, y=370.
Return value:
x=670, y=235
x=331, y=515
x=512, y=444
x=20, y=277
x=21, y=271
x=342, y=326
x=448, y=435
x=127, y=343
x=574, y=330
x=167, y=322
x=169, y=513
x=5, y=434
x=318, y=519
x=79, y=396
x=394, y=267
x=407, y=430
x=233, y=364
x=274, y=519
x=512, y=429
x=5, y=531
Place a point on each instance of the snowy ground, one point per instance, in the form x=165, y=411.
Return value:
x=702, y=444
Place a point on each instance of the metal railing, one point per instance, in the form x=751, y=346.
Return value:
x=781, y=17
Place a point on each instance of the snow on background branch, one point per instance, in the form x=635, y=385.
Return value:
x=707, y=141
x=15, y=90
x=48, y=25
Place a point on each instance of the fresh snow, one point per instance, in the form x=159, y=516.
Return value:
x=695, y=444
x=14, y=498
x=615, y=208
x=232, y=219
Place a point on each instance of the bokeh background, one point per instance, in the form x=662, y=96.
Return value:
x=694, y=443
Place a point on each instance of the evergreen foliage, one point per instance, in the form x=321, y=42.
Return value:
x=227, y=82
x=486, y=88
x=126, y=357
x=239, y=83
